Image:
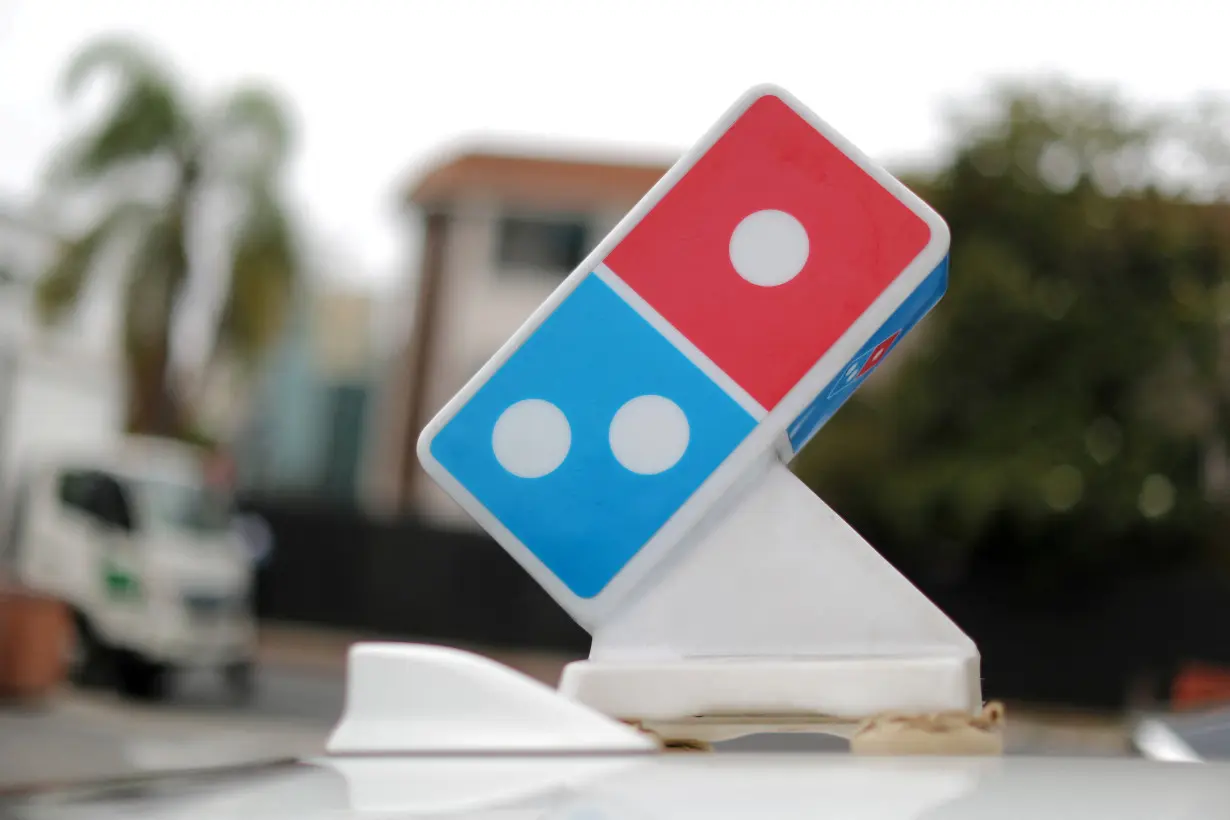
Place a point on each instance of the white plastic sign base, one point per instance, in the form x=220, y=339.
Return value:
x=778, y=614
x=716, y=700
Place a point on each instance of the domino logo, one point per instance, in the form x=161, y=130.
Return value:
x=691, y=340
x=804, y=428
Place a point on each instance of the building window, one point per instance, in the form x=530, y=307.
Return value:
x=344, y=450
x=553, y=245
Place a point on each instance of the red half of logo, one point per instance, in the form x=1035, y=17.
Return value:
x=880, y=351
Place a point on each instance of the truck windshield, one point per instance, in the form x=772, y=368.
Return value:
x=182, y=506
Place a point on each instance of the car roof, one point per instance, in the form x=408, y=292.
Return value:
x=665, y=785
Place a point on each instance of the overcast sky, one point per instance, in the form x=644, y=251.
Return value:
x=378, y=84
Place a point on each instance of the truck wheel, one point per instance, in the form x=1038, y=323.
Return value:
x=142, y=679
x=240, y=680
x=89, y=661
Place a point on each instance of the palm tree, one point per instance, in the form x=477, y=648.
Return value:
x=147, y=171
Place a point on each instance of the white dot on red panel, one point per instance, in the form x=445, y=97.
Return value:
x=649, y=434
x=769, y=248
x=531, y=438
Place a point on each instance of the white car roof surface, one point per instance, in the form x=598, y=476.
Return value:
x=665, y=786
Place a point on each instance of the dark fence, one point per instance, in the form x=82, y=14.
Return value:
x=334, y=566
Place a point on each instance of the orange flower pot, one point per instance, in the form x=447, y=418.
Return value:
x=34, y=632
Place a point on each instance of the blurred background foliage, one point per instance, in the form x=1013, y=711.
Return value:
x=188, y=191
x=1062, y=415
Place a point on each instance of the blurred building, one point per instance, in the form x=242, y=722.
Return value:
x=61, y=386
x=26, y=248
x=299, y=429
x=307, y=419
x=497, y=233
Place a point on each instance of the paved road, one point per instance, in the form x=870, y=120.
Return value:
x=313, y=696
x=90, y=735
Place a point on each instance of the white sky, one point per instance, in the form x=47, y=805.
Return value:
x=378, y=84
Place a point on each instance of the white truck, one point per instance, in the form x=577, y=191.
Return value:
x=126, y=530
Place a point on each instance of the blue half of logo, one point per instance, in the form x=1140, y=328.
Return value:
x=585, y=512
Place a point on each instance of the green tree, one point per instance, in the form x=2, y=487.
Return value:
x=146, y=171
x=1072, y=390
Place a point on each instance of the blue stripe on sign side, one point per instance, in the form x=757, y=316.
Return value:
x=843, y=385
x=586, y=519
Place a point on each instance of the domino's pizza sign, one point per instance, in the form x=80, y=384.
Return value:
x=758, y=283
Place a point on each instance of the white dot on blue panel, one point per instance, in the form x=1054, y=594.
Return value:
x=649, y=435
x=531, y=438
x=590, y=436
